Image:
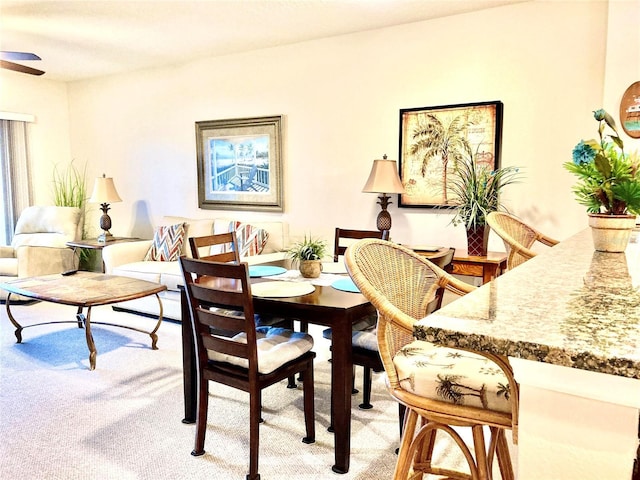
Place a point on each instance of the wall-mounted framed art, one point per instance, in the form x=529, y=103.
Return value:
x=432, y=139
x=630, y=110
x=240, y=163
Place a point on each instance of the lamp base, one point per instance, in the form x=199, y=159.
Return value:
x=105, y=224
x=384, y=217
x=384, y=220
x=105, y=237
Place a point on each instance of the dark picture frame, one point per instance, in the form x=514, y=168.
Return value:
x=431, y=140
x=240, y=163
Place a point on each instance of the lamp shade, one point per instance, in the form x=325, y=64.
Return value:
x=384, y=178
x=104, y=191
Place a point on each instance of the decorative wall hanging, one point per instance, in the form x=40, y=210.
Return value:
x=630, y=110
x=240, y=164
x=433, y=139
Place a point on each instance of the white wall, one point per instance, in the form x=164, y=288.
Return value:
x=341, y=98
x=48, y=135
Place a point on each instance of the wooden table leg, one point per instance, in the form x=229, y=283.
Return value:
x=341, y=383
x=188, y=363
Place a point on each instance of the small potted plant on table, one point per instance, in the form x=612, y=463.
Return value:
x=308, y=254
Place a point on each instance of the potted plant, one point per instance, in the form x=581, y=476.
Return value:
x=70, y=190
x=308, y=254
x=608, y=185
x=476, y=190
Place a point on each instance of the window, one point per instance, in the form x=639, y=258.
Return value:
x=15, y=180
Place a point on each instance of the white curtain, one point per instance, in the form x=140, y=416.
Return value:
x=15, y=183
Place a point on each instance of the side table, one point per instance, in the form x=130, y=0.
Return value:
x=488, y=267
x=94, y=244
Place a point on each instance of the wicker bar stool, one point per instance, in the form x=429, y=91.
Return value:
x=440, y=387
x=518, y=237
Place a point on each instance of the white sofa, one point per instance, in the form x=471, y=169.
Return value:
x=127, y=259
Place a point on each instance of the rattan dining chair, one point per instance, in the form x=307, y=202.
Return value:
x=518, y=237
x=442, y=387
x=365, y=342
x=219, y=297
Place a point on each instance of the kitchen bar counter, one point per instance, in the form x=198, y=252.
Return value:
x=569, y=322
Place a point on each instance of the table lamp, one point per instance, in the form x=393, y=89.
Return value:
x=384, y=179
x=104, y=193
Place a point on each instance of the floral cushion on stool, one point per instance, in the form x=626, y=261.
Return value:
x=452, y=375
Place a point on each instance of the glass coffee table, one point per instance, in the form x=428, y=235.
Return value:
x=83, y=290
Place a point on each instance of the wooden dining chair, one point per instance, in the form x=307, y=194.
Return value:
x=442, y=387
x=219, y=297
x=223, y=247
x=220, y=247
x=518, y=237
x=345, y=236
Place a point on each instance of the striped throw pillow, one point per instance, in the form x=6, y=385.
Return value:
x=167, y=243
x=251, y=240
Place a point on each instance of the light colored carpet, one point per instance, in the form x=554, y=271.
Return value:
x=59, y=420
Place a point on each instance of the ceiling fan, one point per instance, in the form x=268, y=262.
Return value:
x=6, y=61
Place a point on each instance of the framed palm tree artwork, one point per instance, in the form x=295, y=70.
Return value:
x=434, y=140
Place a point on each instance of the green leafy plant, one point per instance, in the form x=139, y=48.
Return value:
x=70, y=190
x=609, y=179
x=69, y=187
x=307, y=249
x=477, y=189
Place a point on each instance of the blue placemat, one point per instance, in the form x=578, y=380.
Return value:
x=265, y=270
x=346, y=285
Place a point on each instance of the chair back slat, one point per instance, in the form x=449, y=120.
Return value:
x=227, y=292
x=346, y=236
x=221, y=319
x=219, y=296
x=225, y=346
x=221, y=247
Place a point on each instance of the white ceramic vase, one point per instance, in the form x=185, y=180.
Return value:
x=611, y=233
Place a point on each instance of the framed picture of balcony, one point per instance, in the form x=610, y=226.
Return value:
x=434, y=139
x=240, y=164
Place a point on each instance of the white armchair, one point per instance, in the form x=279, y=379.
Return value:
x=39, y=243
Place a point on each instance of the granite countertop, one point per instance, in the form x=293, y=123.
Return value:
x=568, y=306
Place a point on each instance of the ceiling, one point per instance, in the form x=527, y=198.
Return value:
x=81, y=39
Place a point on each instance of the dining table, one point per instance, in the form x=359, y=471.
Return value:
x=568, y=321
x=326, y=305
